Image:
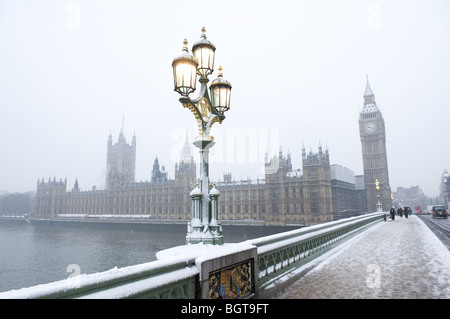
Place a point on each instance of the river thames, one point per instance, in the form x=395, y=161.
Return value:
x=32, y=255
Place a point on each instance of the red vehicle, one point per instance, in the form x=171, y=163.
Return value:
x=418, y=210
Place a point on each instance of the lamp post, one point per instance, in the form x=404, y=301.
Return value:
x=204, y=226
x=377, y=187
x=392, y=200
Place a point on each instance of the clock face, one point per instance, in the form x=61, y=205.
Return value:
x=370, y=127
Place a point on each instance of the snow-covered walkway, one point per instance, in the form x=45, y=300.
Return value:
x=395, y=259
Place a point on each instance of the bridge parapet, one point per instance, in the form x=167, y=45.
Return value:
x=281, y=254
x=195, y=271
x=161, y=279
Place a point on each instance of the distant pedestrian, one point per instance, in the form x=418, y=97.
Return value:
x=408, y=211
x=384, y=216
x=392, y=212
x=399, y=211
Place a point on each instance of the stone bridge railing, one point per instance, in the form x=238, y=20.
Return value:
x=194, y=271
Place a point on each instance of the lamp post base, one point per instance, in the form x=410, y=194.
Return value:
x=379, y=207
x=206, y=238
x=204, y=227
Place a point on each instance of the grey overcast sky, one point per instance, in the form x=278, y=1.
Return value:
x=71, y=70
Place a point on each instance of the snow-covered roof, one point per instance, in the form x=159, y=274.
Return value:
x=241, y=182
x=296, y=173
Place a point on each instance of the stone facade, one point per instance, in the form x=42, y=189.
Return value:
x=284, y=196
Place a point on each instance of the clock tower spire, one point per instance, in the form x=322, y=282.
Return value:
x=373, y=144
x=369, y=99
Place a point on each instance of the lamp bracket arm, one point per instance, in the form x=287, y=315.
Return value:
x=204, y=120
x=202, y=94
x=213, y=119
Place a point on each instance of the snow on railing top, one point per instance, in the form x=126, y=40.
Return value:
x=87, y=282
x=305, y=230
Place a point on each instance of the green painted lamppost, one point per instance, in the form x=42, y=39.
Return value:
x=208, y=108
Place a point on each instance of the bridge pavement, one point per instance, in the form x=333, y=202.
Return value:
x=398, y=259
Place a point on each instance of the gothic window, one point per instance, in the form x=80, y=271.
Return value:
x=274, y=208
x=274, y=193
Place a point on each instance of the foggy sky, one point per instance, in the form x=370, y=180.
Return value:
x=70, y=71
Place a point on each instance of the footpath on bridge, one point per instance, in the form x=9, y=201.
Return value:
x=396, y=259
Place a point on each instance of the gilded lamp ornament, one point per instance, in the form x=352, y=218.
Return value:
x=205, y=226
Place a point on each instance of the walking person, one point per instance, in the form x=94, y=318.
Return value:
x=399, y=211
x=392, y=212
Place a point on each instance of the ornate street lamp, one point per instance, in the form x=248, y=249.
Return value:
x=377, y=187
x=185, y=72
x=204, y=52
x=220, y=93
x=204, y=226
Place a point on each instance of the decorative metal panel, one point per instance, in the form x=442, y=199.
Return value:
x=234, y=282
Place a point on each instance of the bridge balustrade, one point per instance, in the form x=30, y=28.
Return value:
x=278, y=258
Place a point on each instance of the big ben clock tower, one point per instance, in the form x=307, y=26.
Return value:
x=373, y=144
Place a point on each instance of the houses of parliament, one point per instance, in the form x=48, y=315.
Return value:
x=317, y=193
